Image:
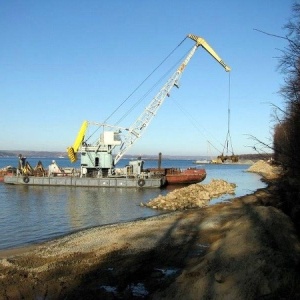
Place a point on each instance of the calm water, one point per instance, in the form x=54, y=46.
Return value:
x=30, y=214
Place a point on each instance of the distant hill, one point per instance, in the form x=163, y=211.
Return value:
x=14, y=153
x=6, y=153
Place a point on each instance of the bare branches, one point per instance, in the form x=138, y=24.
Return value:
x=286, y=141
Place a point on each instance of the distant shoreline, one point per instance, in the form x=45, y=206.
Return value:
x=44, y=154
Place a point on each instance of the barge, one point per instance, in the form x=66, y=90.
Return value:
x=181, y=176
x=188, y=176
x=123, y=177
x=131, y=175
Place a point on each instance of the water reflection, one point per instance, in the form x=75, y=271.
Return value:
x=90, y=207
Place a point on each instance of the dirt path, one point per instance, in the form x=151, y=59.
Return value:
x=245, y=249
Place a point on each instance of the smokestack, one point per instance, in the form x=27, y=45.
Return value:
x=159, y=160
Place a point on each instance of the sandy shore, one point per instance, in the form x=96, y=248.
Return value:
x=245, y=249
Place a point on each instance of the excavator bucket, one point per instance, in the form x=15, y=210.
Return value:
x=27, y=169
x=39, y=169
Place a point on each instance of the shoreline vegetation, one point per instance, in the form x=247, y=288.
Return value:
x=243, y=249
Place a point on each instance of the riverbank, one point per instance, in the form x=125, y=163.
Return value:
x=243, y=249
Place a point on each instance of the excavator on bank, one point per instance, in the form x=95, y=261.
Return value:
x=97, y=159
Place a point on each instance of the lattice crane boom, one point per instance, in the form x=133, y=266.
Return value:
x=138, y=127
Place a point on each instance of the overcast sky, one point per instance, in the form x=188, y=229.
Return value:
x=63, y=62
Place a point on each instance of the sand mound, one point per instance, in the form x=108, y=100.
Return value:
x=266, y=169
x=192, y=196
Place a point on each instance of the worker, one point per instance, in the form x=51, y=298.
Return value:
x=22, y=162
x=54, y=169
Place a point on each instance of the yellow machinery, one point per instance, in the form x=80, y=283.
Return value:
x=72, y=151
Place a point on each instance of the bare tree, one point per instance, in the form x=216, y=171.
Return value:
x=287, y=134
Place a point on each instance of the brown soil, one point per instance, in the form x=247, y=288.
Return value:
x=245, y=249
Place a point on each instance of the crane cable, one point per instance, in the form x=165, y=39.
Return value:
x=125, y=100
x=202, y=130
x=152, y=88
x=228, y=136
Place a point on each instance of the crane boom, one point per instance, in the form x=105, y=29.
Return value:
x=138, y=127
x=201, y=42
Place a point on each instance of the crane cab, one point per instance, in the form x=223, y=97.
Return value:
x=97, y=159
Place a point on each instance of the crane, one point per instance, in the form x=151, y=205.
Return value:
x=98, y=157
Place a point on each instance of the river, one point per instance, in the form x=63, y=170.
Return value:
x=31, y=214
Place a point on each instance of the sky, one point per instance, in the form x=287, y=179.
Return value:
x=63, y=62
